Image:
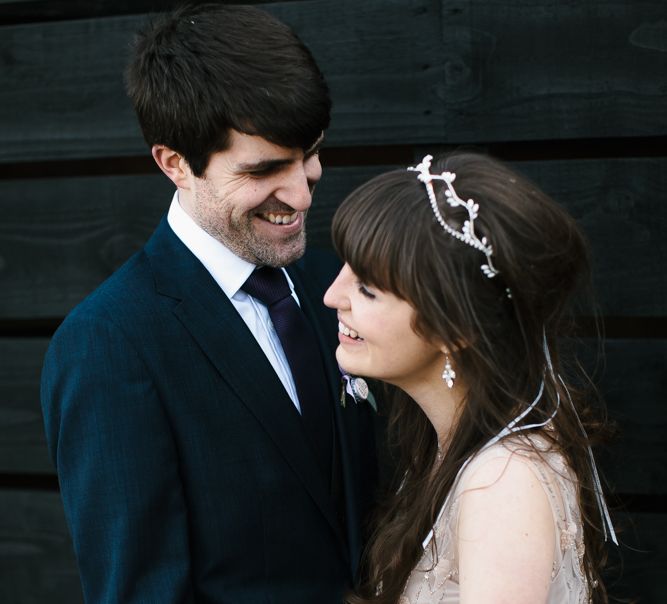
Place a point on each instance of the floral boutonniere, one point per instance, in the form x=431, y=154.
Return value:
x=357, y=388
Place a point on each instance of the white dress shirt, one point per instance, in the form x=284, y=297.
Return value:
x=230, y=273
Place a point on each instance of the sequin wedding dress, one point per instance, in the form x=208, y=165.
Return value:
x=435, y=578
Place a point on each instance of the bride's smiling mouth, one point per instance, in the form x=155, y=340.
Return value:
x=349, y=333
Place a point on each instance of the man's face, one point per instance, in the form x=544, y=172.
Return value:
x=254, y=197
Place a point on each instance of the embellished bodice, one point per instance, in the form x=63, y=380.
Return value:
x=435, y=578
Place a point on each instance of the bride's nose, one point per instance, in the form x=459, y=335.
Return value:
x=337, y=295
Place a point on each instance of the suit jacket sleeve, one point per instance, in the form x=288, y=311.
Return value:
x=110, y=440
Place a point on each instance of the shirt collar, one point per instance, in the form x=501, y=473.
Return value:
x=229, y=271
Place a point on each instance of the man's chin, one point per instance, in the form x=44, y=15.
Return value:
x=281, y=255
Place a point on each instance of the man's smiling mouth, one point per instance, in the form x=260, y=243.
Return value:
x=279, y=217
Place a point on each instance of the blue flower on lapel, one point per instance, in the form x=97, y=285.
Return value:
x=357, y=388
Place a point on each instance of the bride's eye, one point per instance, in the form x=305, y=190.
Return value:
x=363, y=290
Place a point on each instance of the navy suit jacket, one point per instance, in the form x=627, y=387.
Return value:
x=184, y=467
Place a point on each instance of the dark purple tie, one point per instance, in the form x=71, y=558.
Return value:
x=270, y=287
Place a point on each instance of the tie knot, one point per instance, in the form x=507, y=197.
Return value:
x=268, y=285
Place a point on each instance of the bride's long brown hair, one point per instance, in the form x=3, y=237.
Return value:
x=385, y=230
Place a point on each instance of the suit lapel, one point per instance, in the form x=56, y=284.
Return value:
x=206, y=312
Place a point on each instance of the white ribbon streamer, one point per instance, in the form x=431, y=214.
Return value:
x=512, y=428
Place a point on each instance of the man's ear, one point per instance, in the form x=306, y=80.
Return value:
x=173, y=165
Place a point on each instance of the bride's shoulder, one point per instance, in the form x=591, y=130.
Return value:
x=503, y=503
x=515, y=462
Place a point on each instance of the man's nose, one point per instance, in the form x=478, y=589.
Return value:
x=313, y=169
x=297, y=189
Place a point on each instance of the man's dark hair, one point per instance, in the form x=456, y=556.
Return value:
x=200, y=71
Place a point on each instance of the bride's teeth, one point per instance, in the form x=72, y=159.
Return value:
x=350, y=333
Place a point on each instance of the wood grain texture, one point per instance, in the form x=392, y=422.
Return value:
x=633, y=382
x=426, y=71
x=366, y=50
x=335, y=186
x=381, y=60
x=64, y=93
x=618, y=203
x=37, y=564
x=27, y=11
x=536, y=69
x=638, y=568
x=60, y=238
x=36, y=559
x=22, y=442
x=5, y=3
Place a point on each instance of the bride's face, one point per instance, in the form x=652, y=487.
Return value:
x=375, y=335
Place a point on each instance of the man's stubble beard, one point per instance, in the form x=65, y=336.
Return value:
x=240, y=237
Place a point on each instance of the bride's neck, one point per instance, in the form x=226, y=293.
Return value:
x=440, y=404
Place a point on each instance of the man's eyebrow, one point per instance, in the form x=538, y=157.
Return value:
x=270, y=164
x=263, y=165
x=315, y=146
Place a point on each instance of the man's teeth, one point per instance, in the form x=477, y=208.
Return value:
x=280, y=218
x=350, y=333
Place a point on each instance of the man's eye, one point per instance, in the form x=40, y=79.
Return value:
x=262, y=172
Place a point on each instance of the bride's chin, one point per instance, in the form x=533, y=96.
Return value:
x=344, y=361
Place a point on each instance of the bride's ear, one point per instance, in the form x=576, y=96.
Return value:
x=455, y=347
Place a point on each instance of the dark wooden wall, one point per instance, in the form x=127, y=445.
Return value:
x=573, y=93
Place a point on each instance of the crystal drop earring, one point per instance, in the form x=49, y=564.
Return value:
x=448, y=374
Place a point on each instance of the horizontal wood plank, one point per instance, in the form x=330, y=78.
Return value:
x=38, y=565
x=633, y=385
x=618, y=205
x=6, y=3
x=633, y=382
x=426, y=71
x=536, y=69
x=37, y=562
x=27, y=11
x=22, y=443
x=637, y=570
x=366, y=49
x=59, y=238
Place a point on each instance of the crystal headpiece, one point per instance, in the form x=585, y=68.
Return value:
x=467, y=232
